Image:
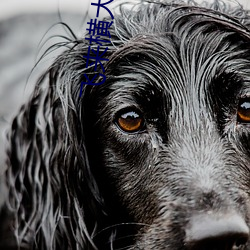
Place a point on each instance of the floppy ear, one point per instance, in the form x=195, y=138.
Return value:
x=51, y=187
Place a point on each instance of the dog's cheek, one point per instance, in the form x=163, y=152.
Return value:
x=130, y=170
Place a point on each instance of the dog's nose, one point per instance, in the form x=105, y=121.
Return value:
x=217, y=232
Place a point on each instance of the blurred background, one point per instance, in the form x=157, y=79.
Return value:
x=27, y=28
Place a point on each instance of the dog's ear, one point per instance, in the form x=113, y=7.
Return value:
x=51, y=187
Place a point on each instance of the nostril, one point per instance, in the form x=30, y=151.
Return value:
x=240, y=242
x=217, y=232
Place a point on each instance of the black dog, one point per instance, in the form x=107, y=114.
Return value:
x=155, y=158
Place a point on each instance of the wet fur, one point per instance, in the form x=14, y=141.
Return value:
x=76, y=181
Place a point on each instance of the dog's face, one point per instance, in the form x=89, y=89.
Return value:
x=157, y=157
x=173, y=134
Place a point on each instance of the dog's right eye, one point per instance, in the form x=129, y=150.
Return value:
x=130, y=121
x=243, y=113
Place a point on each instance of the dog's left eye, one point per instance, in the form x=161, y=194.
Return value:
x=243, y=113
x=130, y=121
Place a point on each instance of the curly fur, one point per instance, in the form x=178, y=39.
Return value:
x=76, y=181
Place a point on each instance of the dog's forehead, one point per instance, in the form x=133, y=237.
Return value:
x=187, y=56
x=187, y=67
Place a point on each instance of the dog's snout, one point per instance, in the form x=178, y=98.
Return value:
x=217, y=232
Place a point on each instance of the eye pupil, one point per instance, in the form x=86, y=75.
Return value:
x=243, y=113
x=130, y=121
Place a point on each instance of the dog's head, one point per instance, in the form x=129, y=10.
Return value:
x=157, y=157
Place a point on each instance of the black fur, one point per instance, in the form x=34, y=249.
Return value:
x=77, y=181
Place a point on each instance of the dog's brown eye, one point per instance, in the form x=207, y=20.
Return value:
x=243, y=112
x=130, y=122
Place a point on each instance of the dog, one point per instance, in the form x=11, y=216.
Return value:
x=156, y=157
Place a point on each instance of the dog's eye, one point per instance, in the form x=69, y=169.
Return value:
x=130, y=121
x=243, y=113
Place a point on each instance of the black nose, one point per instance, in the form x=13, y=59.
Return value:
x=217, y=232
